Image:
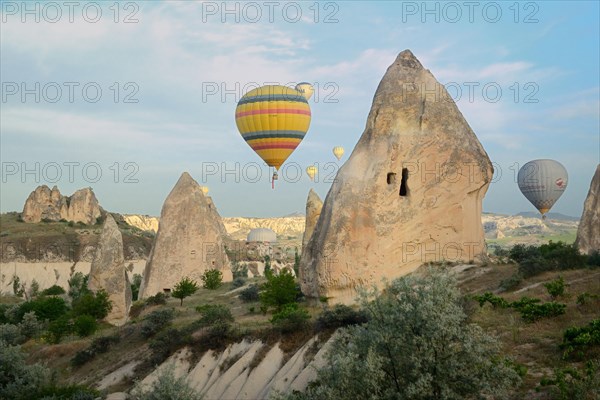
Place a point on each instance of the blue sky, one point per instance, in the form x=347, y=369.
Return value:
x=185, y=65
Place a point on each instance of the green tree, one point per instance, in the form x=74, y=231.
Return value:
x=18, y=287
x=98, y=305
x=279, y=290
x=136, y=282
x=556, y=288
x=78, y=285
x=212, y=279
x=34, y=289
x=85, y=325
x=417, y=344
x=267, y=270
x=185, y=288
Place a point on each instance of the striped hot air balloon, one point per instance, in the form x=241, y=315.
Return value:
x=542, y=182
x=273, y=120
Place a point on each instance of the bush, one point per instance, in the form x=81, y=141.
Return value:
x=552, y=256
x=19, y=381
x=582, y=298
x=30, y=326
x=214, y=313
x=11, y=334
x=291, y=318
x=58, y=329
x=581, y=338
x=167, y=386
x=157, y=320
x=184, y=288
x=45, y=308
x=212, y=279
x=78, y=285
x=489, y=297
x=279, y=290
x=238, y=282
x=159, y=299
x=98, y=346
x=85, y=325
x=572, y=383
x=98, y=305
x=249, y=294
x=53, y=290
x=512, y=282
x=533, y=312
x=338, y=316
x=593, y=259
x=556, y=288
x=165, y=343
x=417, y=344
x=136, y=282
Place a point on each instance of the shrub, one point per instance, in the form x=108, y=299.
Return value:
x=157, y=300
x=512, y=282
x=238, y=282
x=212, y=279
x=533, y=312
x=489, y=297
x=296, y=262
x=291, y=318
x=214, y=313
x=78, y=285
x=593, y=259
x=340, y=315
x=85, y=325
x=136, y=282
x=249, y=294
x=581, y=338
x=18, y=287
x=58, y=329
x=556, y=288
x=572, y=383
x=156, y=320
x=98, y=346
x=30, y=326
x=165, y=343
x=267, y=271
x=167, y=386
x=136, y=309
x=34, y=289
x=417, y=344
x=11, y=334
x=53, y=290
x=279, y=290
x=19, y=381
x=98, y=305
x=45, y=308
x=583, y=298
x=552, y=256
x=184, y=288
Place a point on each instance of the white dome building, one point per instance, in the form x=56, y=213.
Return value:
x=262, y=235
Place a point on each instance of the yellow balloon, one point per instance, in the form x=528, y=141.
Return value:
x=338, y=152
x=204, y=189
x=311, y=171
x=306, y=89
x=273, y=121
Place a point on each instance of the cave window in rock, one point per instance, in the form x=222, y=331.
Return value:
x=403, y=183
x=391, y=178
x=167, y=290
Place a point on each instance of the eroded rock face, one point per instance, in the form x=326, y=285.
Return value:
x=314, y=204
x=108, y=272
x=188, y=241
x=588, y=233
x=410, y=193
x=47, y=204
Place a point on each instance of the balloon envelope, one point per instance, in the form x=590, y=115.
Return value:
x=306, y=89
x=204, y=189
x=338, y=152
x=311, y=171
x=542, y=182
x=273, y=120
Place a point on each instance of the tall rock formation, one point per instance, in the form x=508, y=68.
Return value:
x=410, y=193
x=314, y=204
x=46, y=204
x=188, y=241
x=588, y=233
x=108, y=272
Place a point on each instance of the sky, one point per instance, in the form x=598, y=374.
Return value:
x=123, y=97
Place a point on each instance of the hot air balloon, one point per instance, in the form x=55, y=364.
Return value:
x=542, y=182
x=311, y=171
x=273, y=120
x=306, y=89
x=204, y=189
x=338, y=152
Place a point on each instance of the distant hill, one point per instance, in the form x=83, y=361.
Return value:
x=556, y=216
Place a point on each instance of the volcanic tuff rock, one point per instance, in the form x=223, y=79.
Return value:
x=44, y=203
x=314, y=204
x=108, y=272
x=588, y=234
x=188, y=241
x=411, y=191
